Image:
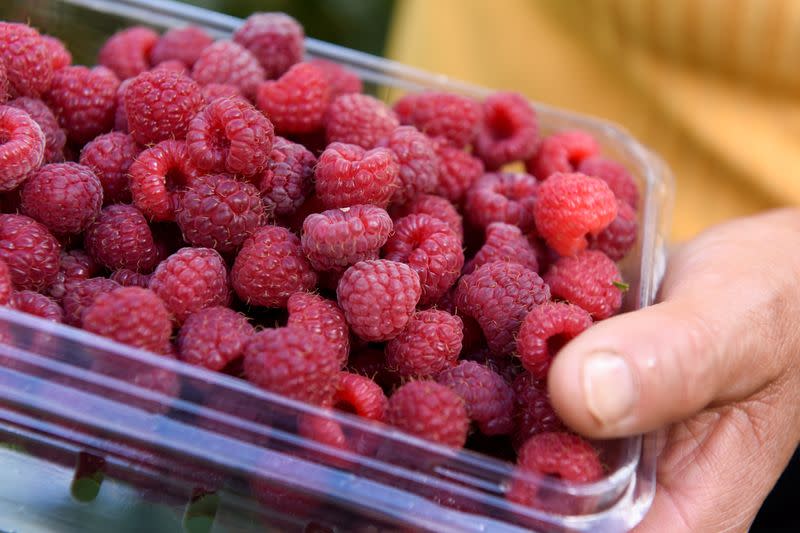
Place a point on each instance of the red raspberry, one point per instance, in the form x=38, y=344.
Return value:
x=288, y=179
x=65, y=197
x=349, y=175
x=6, y=285
x=127, y=52
x=359, y=119
x=452, y=116
x=615, y=175
x=338, y=238
x=431, y=248
x=570, y=206
x=160, y=104
x=590, y=280
x=181, y=44
x=132, y=316
x=435, y=206
x=129, y=278
x=30, y=251
x=275, y=39
x=212, y=91
x=37, y=304
x=487, y=396
x=563, y=455
x=290, y=362
x=57, y=51
x=28, y=67
x=84, y=100
x=121, y=238
x=431, y=411
x=341, y=79
x=110, y=157
x=561, y=152
x=458, y=170
x=227, y=62
x=509, y=131
x=620, y=236
x=296, y=102
x=270, y=267
x=21, y=149
x=360, y=395
x=502, y=197
x=419, y=164
x=504, y=242
x=378, y=298
x=76, y=265
x=81, y=294
x=323, y=318
x=532, y=410
x=498, y=296
x=213, y=337
x=429, y=344
x=55, y=138
x=189, y=280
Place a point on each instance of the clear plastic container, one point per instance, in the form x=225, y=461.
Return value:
x=87, y=447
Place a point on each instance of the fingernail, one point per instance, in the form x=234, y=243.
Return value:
x=608, y=387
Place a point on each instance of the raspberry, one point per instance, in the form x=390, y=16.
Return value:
x=431, y=411
x=270, y=267
x=378, y=298
x=30, y=251
x=65, y=197
x=360, y=395
x=619, y=237
x=22, y=145
x=349, y=175
x=290, y=362
x=189, y=280
x=487, y=396
x=4, y=96
x=84, y=100
x=110, y=157
x=296, y=102
x=563, y=455
x=212, y=91
x=288, y=179
x=171, y=66
x=435, y=206
x=275, y=39
x=545, y=330
x=181, y=44
x=6, y=286
x=615, y=175
x=37, y=304
x=227, y=62
x=561, y=152
x=129, y=278
x=213, y=337
x=54, y=136
x=509, y=131
x=532, y=410
x=502, y=197
x=230, y=135
x=121, y=238
x=132, y=316
x=322, y=318
x=160, y=104
x=359, y=119
x=570, y=206
x=419, y=164
x=431, y=248
x=81, y=294
x=504, y=242
x=452, y=116
x=338, y=238
x=57, y=51
x=429, y=344
x=590, y=280
x=498, y=296
x=341, y=79
x=127, y=52
x=28, y=67
x=458, y=170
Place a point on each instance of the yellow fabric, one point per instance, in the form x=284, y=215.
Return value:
x=713, y=86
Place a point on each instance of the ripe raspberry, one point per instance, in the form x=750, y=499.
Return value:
x=121, y=238
x=189, y=280
x=349, y=175
x=65, y=197
x=419, y=164
x=84, y=100
x=360, y=395
x=81, y=294
x=590, y=280
x=452, y=116
x=431, y=248
x=212, y=91
x=132, y=316
x=615, y=175
x=458, y=170
x=533, y=413
x=275, y=39
x=227, y=62
x=160, y=104
x=55, y=138
x=213, y=337
x=488, y=398
x=296, y=102
x=129, y=278
x=498, y=296
x=127, y=52
x=270, y=267
x=181, y=44
x=6, y=286
x=288, y=178
x=561, y=152
x=110, y=157
x=21, y=149
x=323, y=318
x=504, y=242
x=24, y=53
x=338, y=238
x=37, y=304
x=30, y=251
x=431, y=411
x=290, y=362
x=429, y=344
x=509, y=131
x=378, y=298
x=341, y=79
x=57, y=51
x=435, y=206
x=563, y=455
x=359, y=119
x=619, y=237
x=502, y=197
x=570, y=206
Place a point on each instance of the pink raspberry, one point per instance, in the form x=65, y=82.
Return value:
x=270, y=267
x=338, y=238
x=561, y=152
x=110, y=157
x=617, y=177
x=502, y=197
x=132, y=316
x=323, y=318
x=570, y=206
x=213, y=337
x=429, y=344
x=212, y=91
x=22, y=145
x=296, y=102
x=37, y=304
x=30, y=251
x=620, y=236
x=378, y=298
x=452, y=116
x=359, y=119
x=349, y=175
x=227, y=62
x=24, y=53
x=435, y=206
x=360, y=395
x=288, y=179
x=127, y=52
x=130, y=278
x=431, y=248
x=121, y=238
x=498, y=296
x=275, y=39
x=504, y=242
x=431, y=411
x=458, y=170
x=341, y=79
x=419, y=164
x=509, y=131
x=563, y=455
x=84, y=100
x=57, y=51
x=590, y=280
x=81, y=294
x=55, y=138
x=181, y=44
x=75, y=265
x=487, y=396
x=532, y=410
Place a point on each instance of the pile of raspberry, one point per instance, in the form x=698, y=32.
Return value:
x=230, y=205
